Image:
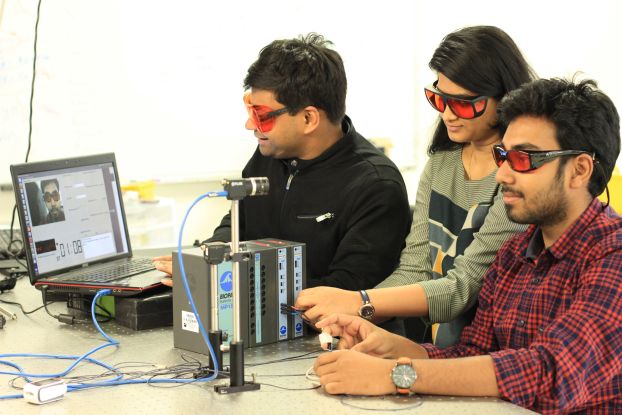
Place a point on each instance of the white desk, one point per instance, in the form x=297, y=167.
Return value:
x=39, y=333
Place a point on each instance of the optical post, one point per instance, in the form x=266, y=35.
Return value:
x=215, y=253
x=236, y=191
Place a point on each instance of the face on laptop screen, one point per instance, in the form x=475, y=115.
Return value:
x=72, y=216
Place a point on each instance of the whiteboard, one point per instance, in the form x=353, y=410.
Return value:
x=160, y=83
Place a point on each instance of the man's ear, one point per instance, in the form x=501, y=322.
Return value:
x=582, y=168
x=312, y=118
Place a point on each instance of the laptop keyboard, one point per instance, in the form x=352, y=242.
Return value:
x=111, y=273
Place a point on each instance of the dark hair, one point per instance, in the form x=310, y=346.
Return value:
x=482, y=59
x=302, y=71
x=584, y=117
x=49, y=181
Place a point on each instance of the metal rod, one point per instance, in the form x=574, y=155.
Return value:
x=214, y=296
x=235, y=247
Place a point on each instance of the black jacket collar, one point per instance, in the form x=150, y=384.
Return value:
x=343, y=143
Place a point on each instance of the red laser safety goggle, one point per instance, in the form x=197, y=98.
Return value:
x=262, y=117
x=466, y=108
x=527, y=160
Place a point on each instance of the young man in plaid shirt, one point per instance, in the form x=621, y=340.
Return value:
x=548, y=331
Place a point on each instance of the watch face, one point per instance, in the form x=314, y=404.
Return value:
x=366, y=311
x=403, y=376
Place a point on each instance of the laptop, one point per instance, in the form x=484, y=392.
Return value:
x=74, y=228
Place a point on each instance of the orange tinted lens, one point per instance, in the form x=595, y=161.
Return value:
x=462, y=109
x=266, y=125
x=480, y=105
x=519, y=161
x=258, y=115
x=435, y=100
x=264, y=122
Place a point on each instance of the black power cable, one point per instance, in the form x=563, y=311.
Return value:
x=30, y=111
x=68, y=318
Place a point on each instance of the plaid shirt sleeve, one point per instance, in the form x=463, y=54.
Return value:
x=578, y=354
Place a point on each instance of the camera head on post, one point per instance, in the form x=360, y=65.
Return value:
x=238, y=189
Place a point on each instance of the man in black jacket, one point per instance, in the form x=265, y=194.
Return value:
x=329, y=187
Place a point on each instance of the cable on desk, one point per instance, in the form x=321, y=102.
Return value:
x=22, y=307
x=290, y=389
x=118, y=376
x=175, y=371
x=308, y=376
x=304, y=356
x=44, y=298
x=66, y=318
x=9, y=241
x=30, y=106
x=78, y=359
x=383, y=403
x=107, y=316
x=118, y=380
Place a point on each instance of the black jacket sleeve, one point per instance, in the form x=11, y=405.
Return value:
x=222, y=233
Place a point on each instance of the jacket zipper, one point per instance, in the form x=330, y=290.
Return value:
x=293, y=164
x=289, y=179
x=318, y=218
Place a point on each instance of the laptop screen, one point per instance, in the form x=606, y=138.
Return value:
x=71, y=212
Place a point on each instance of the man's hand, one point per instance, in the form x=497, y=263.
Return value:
x=363, y=336
x=353, y=373
x=320, y=302
x=164, y=264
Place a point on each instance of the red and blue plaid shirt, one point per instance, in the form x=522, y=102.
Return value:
x=551, y=319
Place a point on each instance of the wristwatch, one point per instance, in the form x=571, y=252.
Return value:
x=367, y=310
x=403, y=375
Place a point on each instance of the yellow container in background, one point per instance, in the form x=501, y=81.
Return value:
x=145, y=189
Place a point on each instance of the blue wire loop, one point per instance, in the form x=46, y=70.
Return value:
x=117, y=380
x=185, y=281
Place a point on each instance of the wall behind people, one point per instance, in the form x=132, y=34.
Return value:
x=160, y=83
x=559, y=38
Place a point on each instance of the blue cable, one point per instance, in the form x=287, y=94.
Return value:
x=85, y=357
x=100, y=294
x=194, y=310
x=185, y=281
x=16, y=366
x=77, y=359
x=118, y=380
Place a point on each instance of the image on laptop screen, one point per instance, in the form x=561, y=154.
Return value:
x=72, y=216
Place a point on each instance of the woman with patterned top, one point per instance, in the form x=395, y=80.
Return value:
x=459, y=220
